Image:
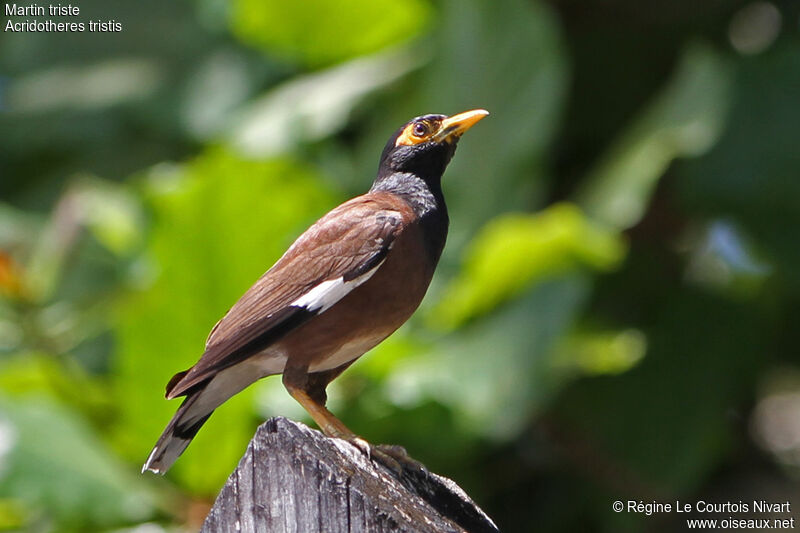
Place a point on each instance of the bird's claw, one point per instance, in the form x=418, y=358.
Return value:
x=392, y=456
x=387, y=460
x=362, y=445
x=399, y=456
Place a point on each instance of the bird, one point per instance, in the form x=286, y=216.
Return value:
x=346, y=284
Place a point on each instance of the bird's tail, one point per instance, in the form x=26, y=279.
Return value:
x=180, y=431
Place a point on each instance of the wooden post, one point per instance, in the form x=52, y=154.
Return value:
x=294, y=479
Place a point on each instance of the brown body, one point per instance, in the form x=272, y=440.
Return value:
x=312, y=352
x=370, y=313
x=358, y=322
x=346, y=284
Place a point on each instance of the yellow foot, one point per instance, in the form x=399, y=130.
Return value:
x=392, y=456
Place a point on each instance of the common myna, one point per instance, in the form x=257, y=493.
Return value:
x=346, y=284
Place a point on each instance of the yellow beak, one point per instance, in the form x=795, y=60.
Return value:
x=453, y=127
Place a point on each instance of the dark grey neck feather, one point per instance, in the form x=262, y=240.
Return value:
x=412, y=189
x=427, y=202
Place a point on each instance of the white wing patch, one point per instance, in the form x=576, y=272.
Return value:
x=326, y=294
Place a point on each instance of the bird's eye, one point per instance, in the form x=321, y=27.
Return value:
x=420, y=129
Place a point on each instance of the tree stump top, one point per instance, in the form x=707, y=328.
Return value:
x=294, y=479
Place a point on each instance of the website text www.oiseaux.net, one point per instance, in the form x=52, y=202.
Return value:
x=773, y=515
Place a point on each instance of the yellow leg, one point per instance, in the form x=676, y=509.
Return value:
x=327, y=422
x=310, y=393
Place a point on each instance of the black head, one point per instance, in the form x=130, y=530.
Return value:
x=425, y=145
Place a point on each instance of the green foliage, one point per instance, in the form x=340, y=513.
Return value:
x=514, y=252
x=679, y=394
x=112, y=215
x=684, y=120
x=54, y=464
x=60, y=381
x=602, y=352
x=313, y=106
x=496, y=372
x=751, y=174
x=320, y=32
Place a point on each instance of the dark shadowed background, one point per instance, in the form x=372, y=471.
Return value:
x=614, y=318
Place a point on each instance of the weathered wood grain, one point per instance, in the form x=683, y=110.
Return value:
x=293, y=479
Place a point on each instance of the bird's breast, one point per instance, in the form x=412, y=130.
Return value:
x=368, y=314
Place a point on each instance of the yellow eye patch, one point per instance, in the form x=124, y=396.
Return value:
x=415, y=133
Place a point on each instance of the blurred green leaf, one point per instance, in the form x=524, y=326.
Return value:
x=684, y=120
x=218, y=223
x=601, y=352
x=58, y=379
x=311, y=107
x=111, y=212
x=750, y=178
x=17, y=227
x=51, y=460
x=12, y=515
x=672, y=418
x=99, y=85
x=494, y=373
x=221, y=82
x=321, y=32
x=516, y=251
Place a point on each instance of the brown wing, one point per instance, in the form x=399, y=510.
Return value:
x=346, y=243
